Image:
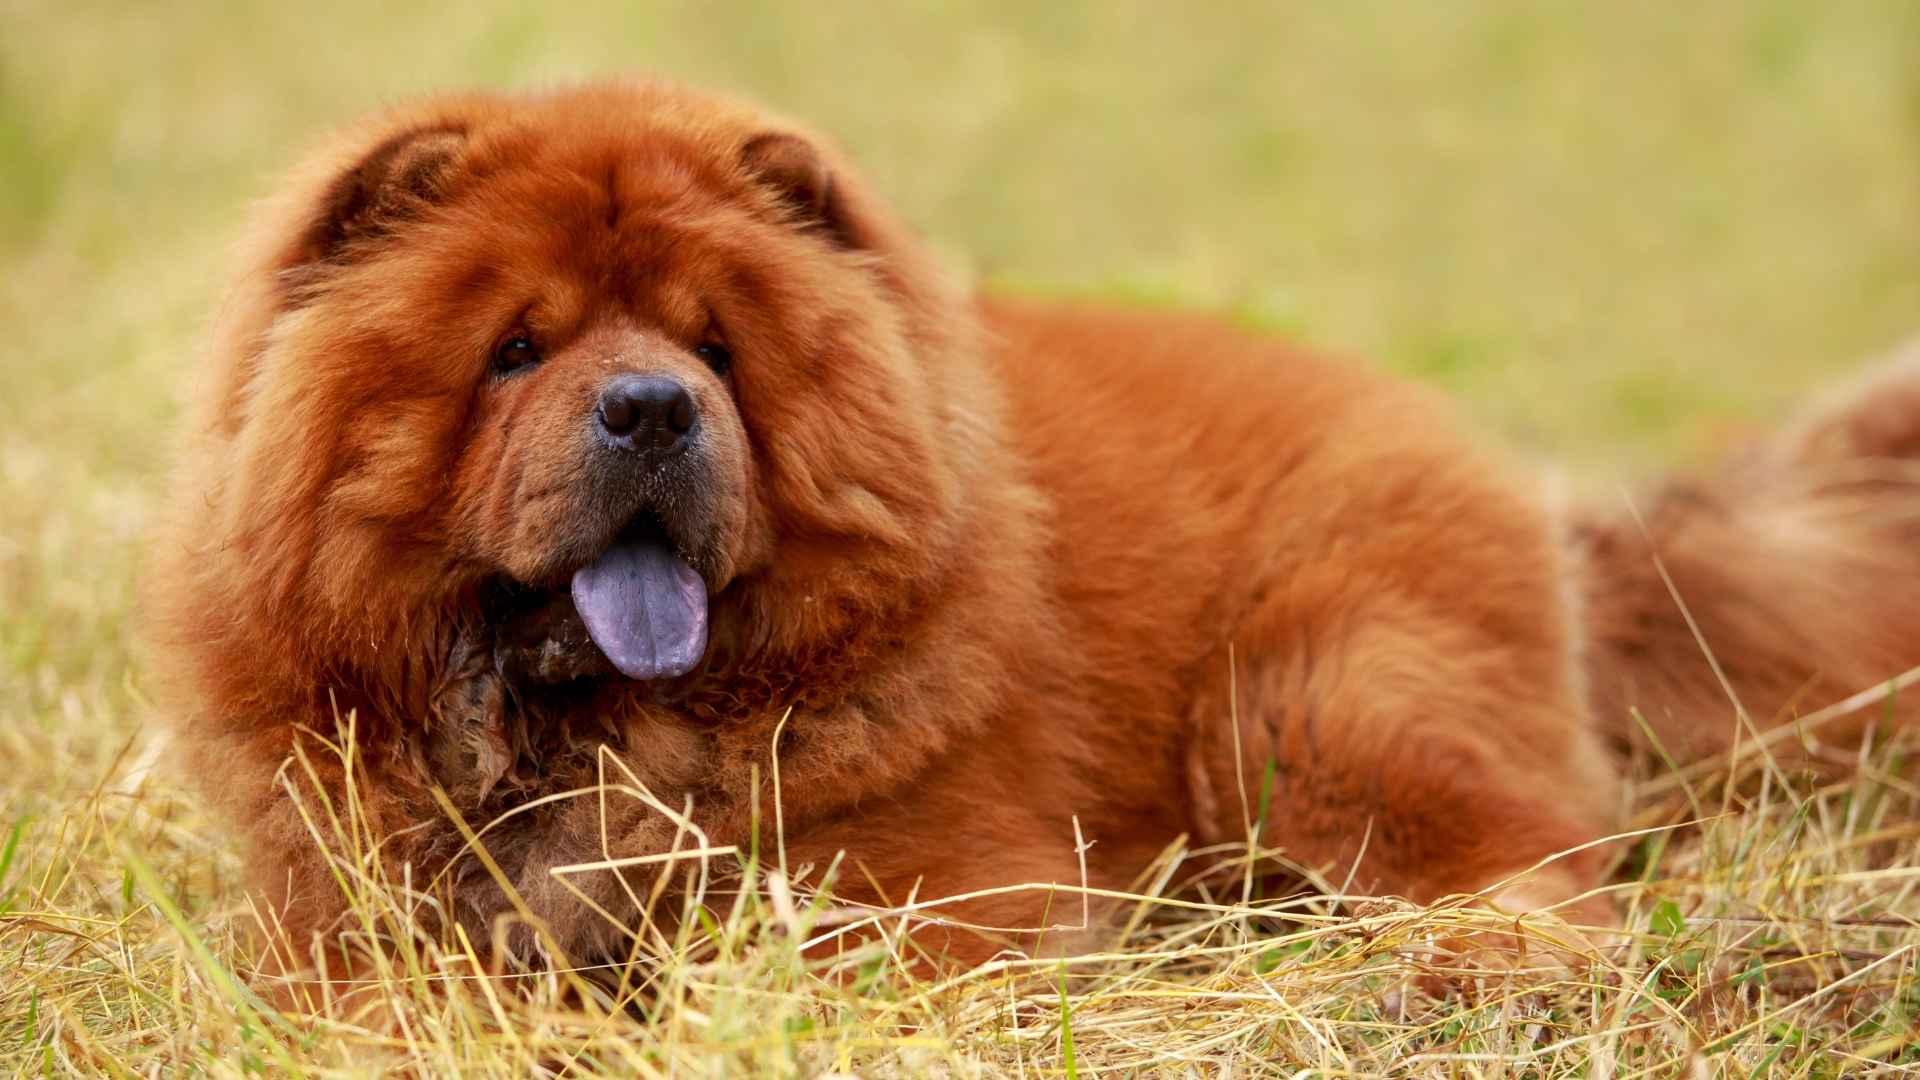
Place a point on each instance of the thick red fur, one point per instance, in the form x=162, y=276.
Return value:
x=999, y=565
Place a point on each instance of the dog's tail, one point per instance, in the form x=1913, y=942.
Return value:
x=1795, y=570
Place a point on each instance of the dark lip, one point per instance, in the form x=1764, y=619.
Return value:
x=557, y=576
x=645, y=524
x=537, y=634
x=539, y=640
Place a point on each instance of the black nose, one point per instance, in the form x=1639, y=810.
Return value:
x=646, y=412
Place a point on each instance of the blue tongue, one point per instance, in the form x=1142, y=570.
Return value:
x=645, y=608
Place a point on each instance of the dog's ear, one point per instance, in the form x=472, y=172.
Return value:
x=790, y=167
x=394, y=184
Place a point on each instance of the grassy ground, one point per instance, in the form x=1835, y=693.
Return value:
x=1623, y=232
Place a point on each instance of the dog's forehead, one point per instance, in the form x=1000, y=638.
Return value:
x=635, y=157
x=617, y=210
x=624, y=193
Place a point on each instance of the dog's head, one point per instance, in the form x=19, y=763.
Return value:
x=626, y=352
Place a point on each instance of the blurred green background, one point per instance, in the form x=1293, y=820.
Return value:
x=1622, y=232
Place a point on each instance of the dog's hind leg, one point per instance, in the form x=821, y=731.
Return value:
x=1405, y=750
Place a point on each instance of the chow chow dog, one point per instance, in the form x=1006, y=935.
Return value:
x=588, y=457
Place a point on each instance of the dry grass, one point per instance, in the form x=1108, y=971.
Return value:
x=1618, y=229
x=1775, y=930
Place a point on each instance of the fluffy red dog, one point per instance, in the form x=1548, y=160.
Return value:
x=583, y=436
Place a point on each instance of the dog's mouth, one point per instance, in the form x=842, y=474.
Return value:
x=638, y=608
x=643, y=605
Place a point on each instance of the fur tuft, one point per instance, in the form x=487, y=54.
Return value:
x=1799, y=562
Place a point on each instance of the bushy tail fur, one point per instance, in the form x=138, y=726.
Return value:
x=1799, y=563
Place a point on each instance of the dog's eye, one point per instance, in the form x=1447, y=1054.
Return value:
x=716, y=357
x=515, y=353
